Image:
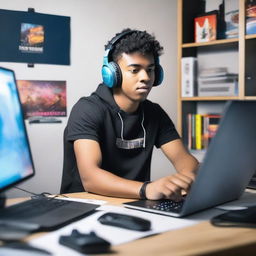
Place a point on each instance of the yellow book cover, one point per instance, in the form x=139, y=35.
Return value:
x=199, y=131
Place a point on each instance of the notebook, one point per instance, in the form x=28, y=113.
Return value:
x=227, y=167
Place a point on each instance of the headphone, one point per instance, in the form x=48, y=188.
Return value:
x=111, y=72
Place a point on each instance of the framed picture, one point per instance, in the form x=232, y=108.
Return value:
x=206, y=27
x=251, y=18
x=43, y=98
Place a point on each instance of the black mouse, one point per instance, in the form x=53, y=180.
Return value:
x=21, y=249
x=125, y=221
x=85, y=243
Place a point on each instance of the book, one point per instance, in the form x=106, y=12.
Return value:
x=213, y=72
x=231, y=18
x=250, y=26
x=189, y=131
x=201, y=129
x=226, y=85
x=211, y=124
x=191, y=135
x=188, y=76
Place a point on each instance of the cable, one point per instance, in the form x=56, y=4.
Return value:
x=43, y=194
x=24, y=190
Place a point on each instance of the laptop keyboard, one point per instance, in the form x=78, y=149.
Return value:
x=166, y=206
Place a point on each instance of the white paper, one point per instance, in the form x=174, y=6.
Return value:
x=81, y=200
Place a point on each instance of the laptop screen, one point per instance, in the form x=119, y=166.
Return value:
x=16, y=162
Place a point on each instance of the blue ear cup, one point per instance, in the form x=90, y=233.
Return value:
x=111, y=73
x=159, y=73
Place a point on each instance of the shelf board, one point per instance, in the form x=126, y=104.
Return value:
x=215, y=42
x=216, y=98
x=250, y=36
x=250, y=97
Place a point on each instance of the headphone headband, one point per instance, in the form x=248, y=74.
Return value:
x=118, y=37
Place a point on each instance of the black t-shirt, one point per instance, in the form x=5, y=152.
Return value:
x=126, y=140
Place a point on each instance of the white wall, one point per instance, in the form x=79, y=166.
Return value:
x=93, y=23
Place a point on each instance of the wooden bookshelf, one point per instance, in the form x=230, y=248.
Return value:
x=250, y=36
x=215, y=42
x=216, y=98
x=245, y=46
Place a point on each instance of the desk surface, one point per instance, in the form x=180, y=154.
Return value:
x=200, y=239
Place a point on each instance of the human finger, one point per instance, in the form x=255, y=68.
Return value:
x=180, y=182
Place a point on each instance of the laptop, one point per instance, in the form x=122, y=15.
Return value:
x=16, y=166
x=226, y=170
x=252, y=183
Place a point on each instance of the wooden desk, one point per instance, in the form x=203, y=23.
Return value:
x=200, y=239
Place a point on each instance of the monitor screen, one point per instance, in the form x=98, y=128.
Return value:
x=16, y=162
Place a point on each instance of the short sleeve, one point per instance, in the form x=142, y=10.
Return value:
x=84, y=121
x=166, y=130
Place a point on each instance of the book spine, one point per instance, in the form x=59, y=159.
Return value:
x=205, y=131
x=199, y=131
x=213, y=124
x=189, y=123
x=193, y=132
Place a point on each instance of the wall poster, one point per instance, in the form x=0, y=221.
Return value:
x=33, y=37
x=43, y=98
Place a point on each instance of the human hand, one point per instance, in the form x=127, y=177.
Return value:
x=170, y=187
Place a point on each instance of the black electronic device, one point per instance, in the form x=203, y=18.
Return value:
x=236, y=218
x=14, y=231
x=85, y=243
x=125, y=221
x=43, y=213
x=16, y=163
x=16, y=166
x=22, y=249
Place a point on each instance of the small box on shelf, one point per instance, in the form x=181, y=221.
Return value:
x=206, y=27
x=188, y=76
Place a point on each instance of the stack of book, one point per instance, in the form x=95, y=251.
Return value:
x=217, y=82
x=201, y=129
x=251, y=17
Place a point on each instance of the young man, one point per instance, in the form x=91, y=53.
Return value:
x=110, y=135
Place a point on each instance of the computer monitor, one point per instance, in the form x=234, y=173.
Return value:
x=16, y=163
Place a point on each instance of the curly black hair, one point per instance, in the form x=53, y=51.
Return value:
x=137, y=41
